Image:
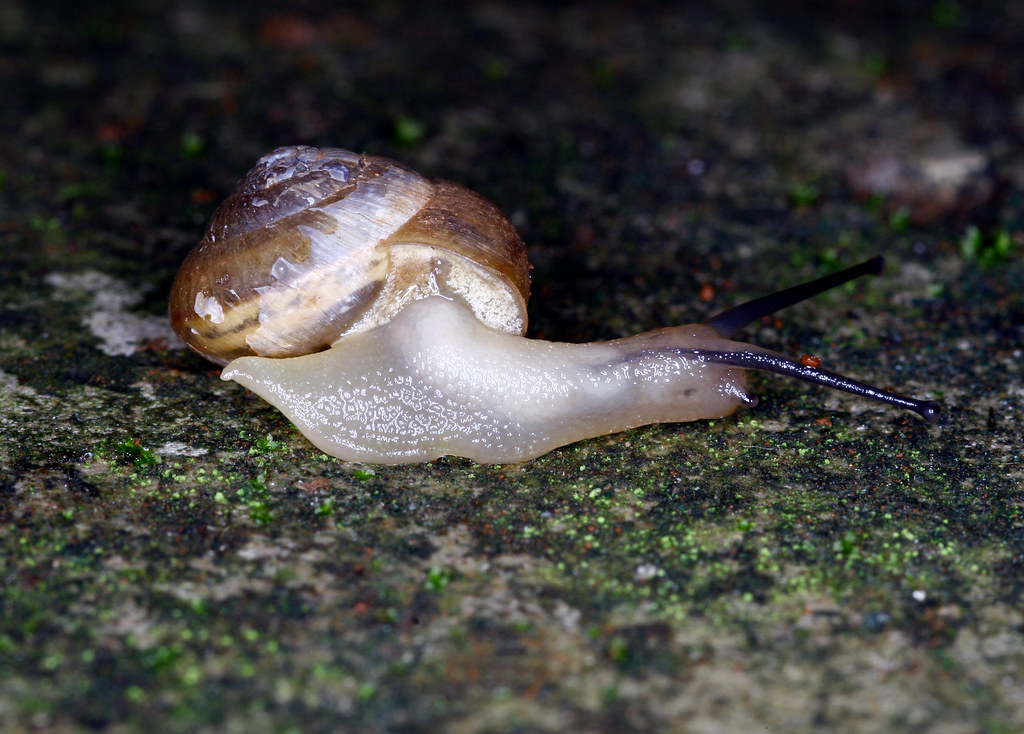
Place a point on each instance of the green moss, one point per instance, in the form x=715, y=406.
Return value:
x=989, y=251
x=804, y=194
x=131, y=451
x=408, y=130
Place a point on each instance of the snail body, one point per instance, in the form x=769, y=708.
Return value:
x=383, y=312
x=435, y=380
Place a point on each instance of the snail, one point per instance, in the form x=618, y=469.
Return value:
x=384, y=314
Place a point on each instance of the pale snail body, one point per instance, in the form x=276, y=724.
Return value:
x=419, y=288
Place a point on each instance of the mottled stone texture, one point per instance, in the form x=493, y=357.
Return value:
x=175, y=557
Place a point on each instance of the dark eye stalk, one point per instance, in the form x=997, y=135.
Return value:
x=732, y=320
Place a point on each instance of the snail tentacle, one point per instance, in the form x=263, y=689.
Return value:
x=757, y=358
x=732, y=320
x=729, y=322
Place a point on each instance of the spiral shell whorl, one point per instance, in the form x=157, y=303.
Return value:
x=282, y=183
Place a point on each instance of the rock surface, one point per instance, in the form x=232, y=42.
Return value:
x=176, y=557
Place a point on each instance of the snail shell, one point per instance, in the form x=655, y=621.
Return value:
x=315, y=244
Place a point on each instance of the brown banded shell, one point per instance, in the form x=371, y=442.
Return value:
x=315, y=243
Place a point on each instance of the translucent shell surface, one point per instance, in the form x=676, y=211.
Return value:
x=317, y=243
